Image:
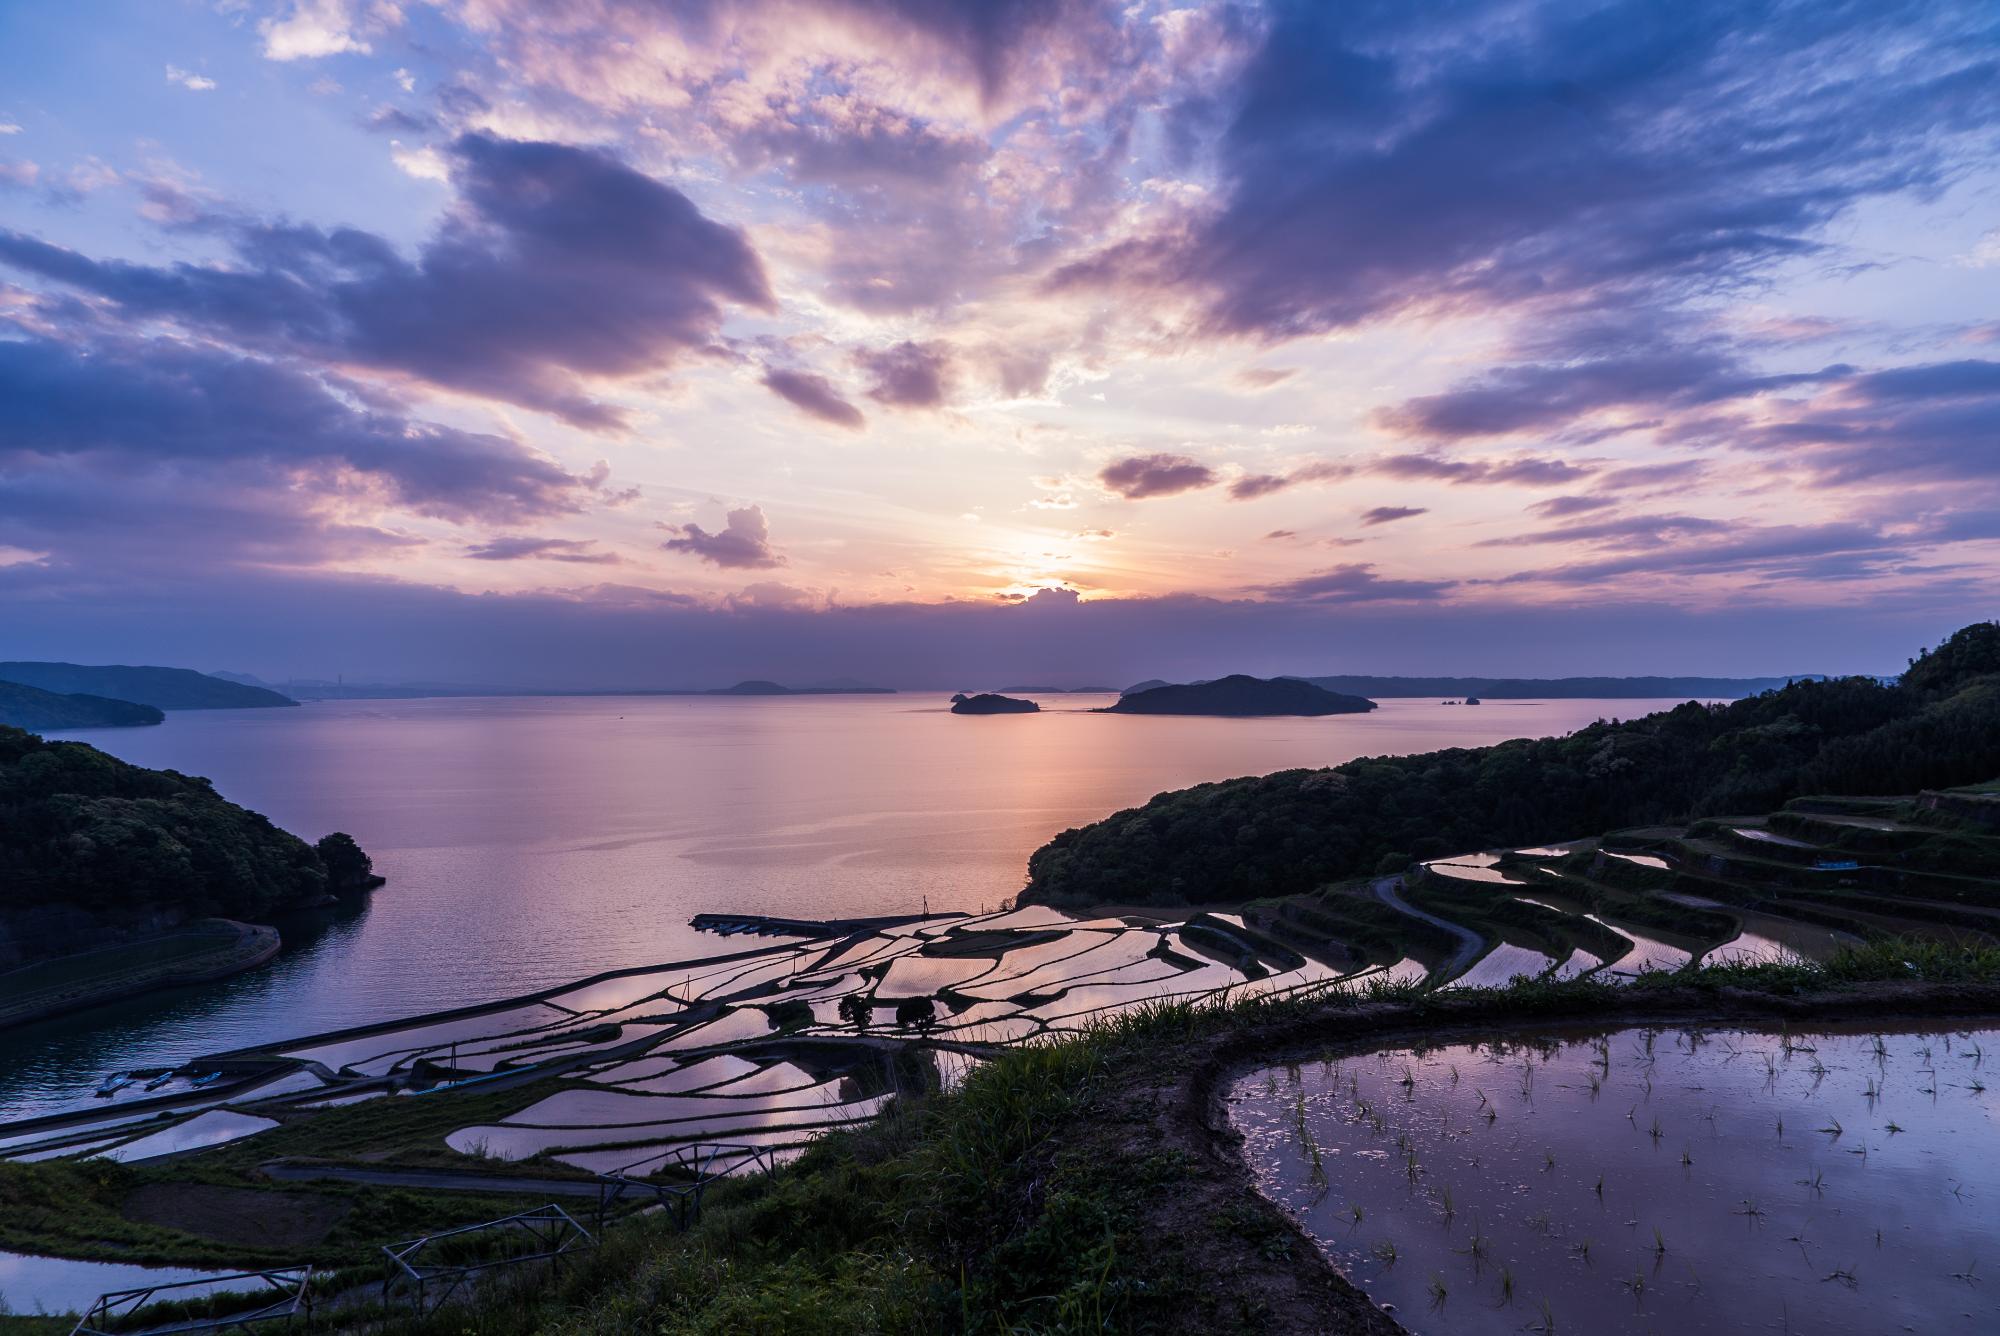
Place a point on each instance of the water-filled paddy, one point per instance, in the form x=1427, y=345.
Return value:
x=1649, y=1181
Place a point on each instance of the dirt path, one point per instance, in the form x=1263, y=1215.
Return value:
x=436, y=1180
x=1470, y=943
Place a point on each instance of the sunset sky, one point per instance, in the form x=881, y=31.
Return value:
x=604, y=342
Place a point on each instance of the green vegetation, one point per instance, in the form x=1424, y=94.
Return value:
x=112, y=877
x=165, y=688
x=35, y=709
x=1298, y=830
x=84, y=830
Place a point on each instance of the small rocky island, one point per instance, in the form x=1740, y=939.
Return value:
x=990, y=703
x=1240, y=696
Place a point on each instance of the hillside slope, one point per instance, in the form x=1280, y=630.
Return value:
x=162, y=688
x=37, y=710
x=95, y=851
x=1299, y=829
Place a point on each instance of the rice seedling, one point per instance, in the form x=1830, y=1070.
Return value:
x=1659, y=1243
x=1548, y=1161
x=1548, y=1324
x=1437, y=1291
x=1843, y=1275
x=1654, y=1130
x=1599, y=1189
x=1384, y=1251
x=1506, y=1287
x=1354, y=1210
x=1636, y=1285
x=1581, y=1249
x=1686, y=1159
x=1833, y=1128
x=1444, y=1200
x=1750, y=1210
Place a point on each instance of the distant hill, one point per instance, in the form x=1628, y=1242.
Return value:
x=760, y=687
x=39, y=711
x=161, y=688
x=1059, y=691
x=1240, y=696
x=988, y=703
x=1560, y=688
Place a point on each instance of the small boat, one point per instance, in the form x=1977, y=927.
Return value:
x=210, y=1079
x=159, y=1080
x=112, y=1084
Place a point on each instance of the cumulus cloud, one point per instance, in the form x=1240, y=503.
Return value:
x=815, y=396
x=188, y=79
x=559, y=265
x=908, y=375
x=1138, y=477
x=743, y=543
x=312, y=29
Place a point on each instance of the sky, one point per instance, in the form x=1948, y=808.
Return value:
x=597, y=343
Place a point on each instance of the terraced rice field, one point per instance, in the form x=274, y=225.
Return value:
x=762, y=1048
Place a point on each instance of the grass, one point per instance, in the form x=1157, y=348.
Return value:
x=1053, y=1192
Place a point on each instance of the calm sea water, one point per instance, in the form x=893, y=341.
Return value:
x=529, y=841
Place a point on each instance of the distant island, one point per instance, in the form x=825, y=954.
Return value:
x=760, y=687
x=121, y=879
x=322, y=689
x=991, y=703
x=1470, y=689
x=161, y=688
x=1937, y=726
x=39, y=711
x=1240, y=696
x=1058, y=691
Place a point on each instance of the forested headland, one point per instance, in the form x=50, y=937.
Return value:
x=1296, y=830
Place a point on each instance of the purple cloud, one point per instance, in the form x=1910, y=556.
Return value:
x=1379, y=159
x=815, y=396
x=908, y=375
x=559, y=264
x=1390, y=514
x=743, y=543
x=524, y=547
x=1140, y=476
x=1355, y=582
x=153, y=404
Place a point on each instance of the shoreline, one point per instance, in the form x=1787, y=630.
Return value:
x=252, y=945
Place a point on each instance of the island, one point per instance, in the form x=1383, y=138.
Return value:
x=991, y=703
x=120, y=879
x=38, y=711
x=161, y=688
x=1240, y=696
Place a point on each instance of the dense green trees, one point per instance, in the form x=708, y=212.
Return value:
x=1296, y=830
x=85, y=830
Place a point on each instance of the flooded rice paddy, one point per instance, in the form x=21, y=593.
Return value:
x=761, y=1048
x=1641, y=1181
